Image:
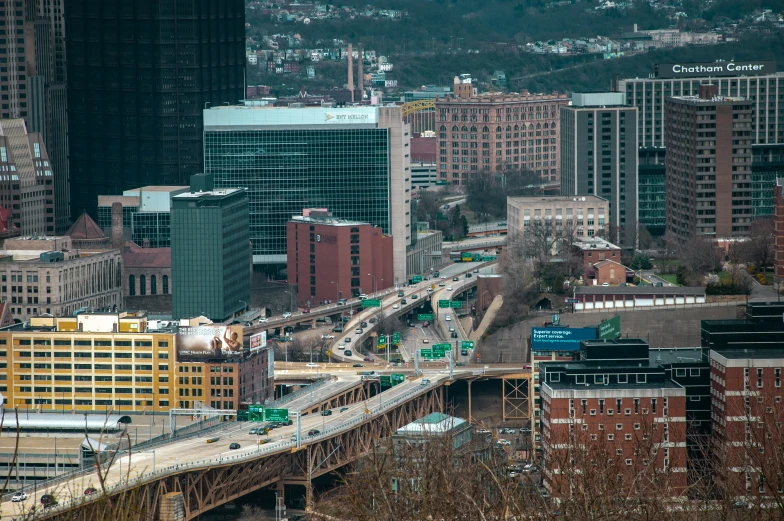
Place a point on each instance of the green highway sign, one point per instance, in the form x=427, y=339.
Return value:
x=456, y=304
x=488, y=257
x=467, y=344
x=442, y=347
x=427, y=353
x=256, y=413
x=398, y=378
x=382, y=340
x=371, y=303
x=443, y=303
x=425, y=316
x=416, y=279
x=276, y=415
x=396, y=338
x=385, y=380
x=610, y=328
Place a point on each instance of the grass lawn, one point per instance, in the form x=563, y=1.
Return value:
x=670, y=277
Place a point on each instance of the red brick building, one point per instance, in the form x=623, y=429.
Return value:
x=609, y=272
x=627, y=413
x=594, y=249
x=495, y=132
x=746, y=403
x=778, y=217
x=330, y=258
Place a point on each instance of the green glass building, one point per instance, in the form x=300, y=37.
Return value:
x=211, y=265
x=767, y=163
x=652, y=191
x=353, y=161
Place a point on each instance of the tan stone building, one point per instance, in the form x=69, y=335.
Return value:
x=577, y=217
x=491, y=133
x=48, y=276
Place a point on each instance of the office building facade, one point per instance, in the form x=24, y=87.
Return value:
x=652, y=193
x=136, y=89
x=27, y=182
x=211, y=265
x=330, y=259
x=581, y=217
x=146, y=214
x=767, y=165
x=708, y=164
x=778, y=228
x=45, y=275
x=34, y=87
x=756, y=81
x=599, y=157
x=489, y=133
x=354, y=161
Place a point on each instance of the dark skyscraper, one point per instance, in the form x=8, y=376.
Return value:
x=139, y=74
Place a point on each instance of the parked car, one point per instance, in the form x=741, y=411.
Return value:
x=287, y=315
x=234, y=446
x=19, y=496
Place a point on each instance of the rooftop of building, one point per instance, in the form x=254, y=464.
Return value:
x=712, y=100
x=217, y=193
x=556, y=199
x=638, y=290
x=134, y=256
x=675, y=355
x=663, y=384
x=608, y=262
x=502, y=97
x=433, y=423
x=85, y=228
x=594, y=243
x=751, y=353
x=326, y=221
x=154, y=188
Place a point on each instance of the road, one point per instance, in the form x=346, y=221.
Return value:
x=655, y=279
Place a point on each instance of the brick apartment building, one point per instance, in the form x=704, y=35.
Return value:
x=330, y=259
x=778, y=222
x=708, y=165
x=595, y=249
x=628, y=413
x=491, y=133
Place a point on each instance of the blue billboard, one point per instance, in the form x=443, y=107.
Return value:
x=560, y=338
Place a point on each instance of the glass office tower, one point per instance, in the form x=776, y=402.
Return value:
x=352, y=161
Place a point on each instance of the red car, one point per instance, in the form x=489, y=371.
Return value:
x=89, y=491
x=306, y=310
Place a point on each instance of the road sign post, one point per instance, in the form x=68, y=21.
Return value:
x=396, y=338
x=256, y=413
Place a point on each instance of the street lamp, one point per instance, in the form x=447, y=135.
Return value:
x=375, y=286
x=291, y=300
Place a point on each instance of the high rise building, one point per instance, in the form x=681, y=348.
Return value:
x=27, y=183
x=34, y=87
x=353, y=161
x=489, y=133
x=599, y=157
x=778, y=228
x=139, y=74
x=756, y=81
x=767, y=165
x=652, y=193
x=708, y=165
x=211, y=257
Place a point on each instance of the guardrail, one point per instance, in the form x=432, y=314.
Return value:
x=301, y=392
x=261, y=449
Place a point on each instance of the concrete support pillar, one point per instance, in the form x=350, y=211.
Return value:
x=469, y=402
x=172, y=507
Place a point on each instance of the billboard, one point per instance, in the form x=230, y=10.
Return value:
x=610, y=328
x=258, y=341
x=560, y=338
x=209, y=342
x=731, y=68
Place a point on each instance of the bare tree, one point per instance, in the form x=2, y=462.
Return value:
x=758, y=249
x=700, y=256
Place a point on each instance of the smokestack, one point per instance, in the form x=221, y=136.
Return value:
x=117, y=225
x=360, y=76
x=351, y=71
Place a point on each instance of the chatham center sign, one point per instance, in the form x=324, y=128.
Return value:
x=731, y=68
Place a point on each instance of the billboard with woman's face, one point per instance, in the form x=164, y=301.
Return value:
x=209, y=342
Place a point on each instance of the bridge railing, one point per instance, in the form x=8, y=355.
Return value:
x=301, y=392
x=155, y=474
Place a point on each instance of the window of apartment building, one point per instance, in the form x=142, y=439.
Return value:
x=636, y=406
x=759, y=377
x=777, y=374
x=584, y=405
x=653, y=405
x=601, y=406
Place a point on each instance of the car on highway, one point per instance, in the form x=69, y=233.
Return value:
x=326, y=412
x=451, y=329
x=400, y=293
x=455, y=279
x=363, y=324
x=234, y=446
x=287, y=314
x=453, y=334
x=403, y=302
x=314, y=432
x=343, y=409
x=306, y=310
x=327, y=337
x=311, y=365
x=460, y=364
x=358, y=331
x=468, y=275
x=448, y=318
x=501, y=443
x=372, y=320
x=464, y=352
x=19, y=496
x=341, y=302
x=363, y=296
x=357, y=365
x=425, y=323
x=449, y=288
x=414, y=296
x=367, y=359
x=89, y=491
x=347, y=352
x=248, y=324
x=476, y=270
x=262, y=320
x=425, y=341
x=441, y=284
x=337, y=329
x=483, y=431
x=348, y=339
x=341, y=346
x=48, y=500
x=605, y=284
x=395, y=306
